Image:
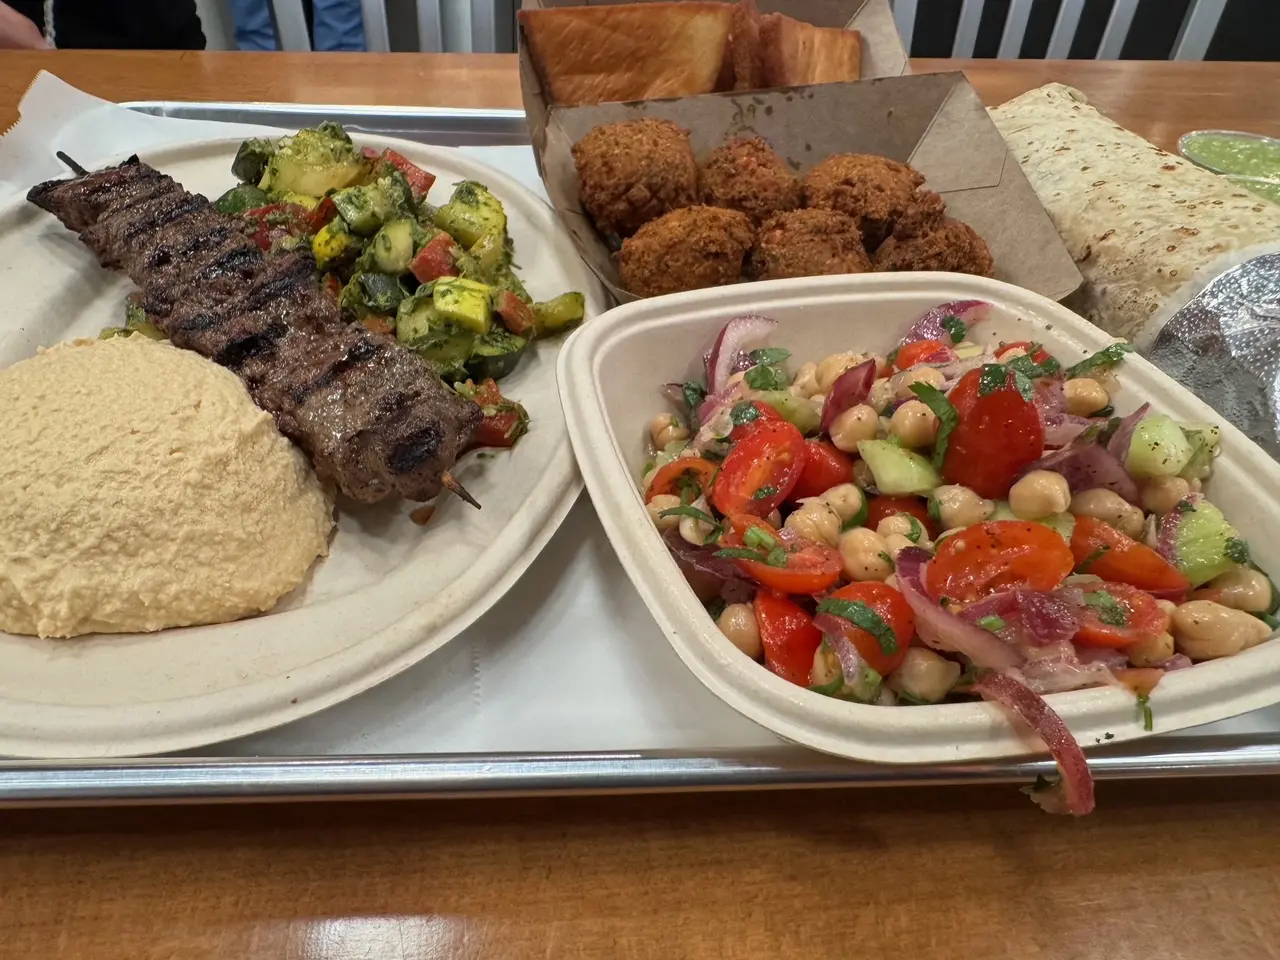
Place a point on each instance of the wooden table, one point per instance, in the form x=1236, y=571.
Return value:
x=1163, y=871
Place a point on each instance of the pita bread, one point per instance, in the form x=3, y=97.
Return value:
x=794, y=53
x=744, y=48
x=1139, y=222
x=633, y=51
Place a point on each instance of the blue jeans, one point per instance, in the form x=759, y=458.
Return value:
x=338, y=25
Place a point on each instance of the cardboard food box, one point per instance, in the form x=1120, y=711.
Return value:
x=935, y=122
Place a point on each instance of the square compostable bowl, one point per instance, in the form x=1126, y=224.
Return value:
x=610, y=373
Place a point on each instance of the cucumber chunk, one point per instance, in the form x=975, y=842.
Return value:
x=793, y=409
x=1159, y=448
x=898, y=471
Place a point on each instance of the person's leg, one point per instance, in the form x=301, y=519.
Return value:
x=339, y=25
x=254, y=30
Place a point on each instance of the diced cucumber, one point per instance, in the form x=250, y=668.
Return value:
x=368, y=293
x=251, y=160
x=1159, y=448
x=241, y=197
x=471, y=213
x=1204, y=439
x=563, y=313
x=464, y=302
x=496, y=354
x=792, y=409
x=365, y=208
x=415, y=317
x=1063, y=524
x=393, y=247
x=312, y=162
x=1204, y=540
x=898, y=471
x=506, y=279
x=447, y=348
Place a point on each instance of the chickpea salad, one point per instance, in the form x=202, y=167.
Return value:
x=950, y=521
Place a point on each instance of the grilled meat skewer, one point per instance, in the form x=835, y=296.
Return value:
x=373, y=417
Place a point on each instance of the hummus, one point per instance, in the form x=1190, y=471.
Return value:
x=141, y=488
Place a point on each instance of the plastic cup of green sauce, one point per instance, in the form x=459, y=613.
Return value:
x=1249, y=160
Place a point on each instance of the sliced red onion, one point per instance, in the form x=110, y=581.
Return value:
x=704, y=560
x=1086, y=465
x=833, y=629
x=1059, y=674
x=952, y=372
x=736, y=337
x=1118, y=445
x=1063, y=428
x=1036, y=617
x=929, y=326
x=1108, y=657
x=1074, y=792
x=850, y=389
x=942, y=629
x=674, y=392
x=1051, y=396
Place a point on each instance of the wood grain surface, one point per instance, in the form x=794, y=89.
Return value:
x=1167, y=870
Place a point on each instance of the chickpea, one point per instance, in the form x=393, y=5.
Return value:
x=896, y=543
x=830, y=368
x=914, y=424
x=696, y=531
x=1111, y=508
x=903, y=381
x=1041, y=493
x=663, y=501
x=666, y=428
x=854, y=425
x=1085, y=396
x=1161, y=494
x=886, y=698
x=924, y=675
x=960, y=507
x=805, y=385
x=1150, y=652
x=904, y=525
x=817, y=520
x=881, y=394
x=1242, y=589
x=862, y=475
x=866, y=555
x=1167, y=607
x=647, y=480
x=846, y=499
x=1205, y=630
x=825, y=669
x=738, y=622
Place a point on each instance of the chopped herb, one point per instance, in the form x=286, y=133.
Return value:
x=1108, y=609
x=1237, y=550
x=864, y=618
x=1106, y=411
x=911, y=700
x=1144, y=708
x=887, y=559
x=689, y=487
x=931, y=506
x=992, y=377
x=694, y=512
x=945, y=602
x=971, y=673
x=1084, y=565
x=766, y=377
x=769, y=356
x=741, y=553
x=1269, y=620
x=893, y=356
x=1104, y=359
x=992, y=623
x=743, y=413
x=1185, y=506
x=917, y=529
x=955, y=327
x=764, y=493
x=858, y=519
x=948, y=417
x=1032, y=370
x=757, y=539
x=694, y=395
x=648, y=465
x=715, y=607
x=777, y=557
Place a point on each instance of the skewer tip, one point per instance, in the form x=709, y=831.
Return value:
x=451, y=483
x=75, y=167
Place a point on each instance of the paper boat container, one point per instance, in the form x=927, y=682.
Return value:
x=935, y=122
x=609, y=376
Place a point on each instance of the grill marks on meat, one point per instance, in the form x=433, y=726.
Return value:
x=372, y=416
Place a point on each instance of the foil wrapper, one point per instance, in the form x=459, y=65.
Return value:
x=1224, y=346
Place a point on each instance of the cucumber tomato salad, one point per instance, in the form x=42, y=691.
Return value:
x=950, y=521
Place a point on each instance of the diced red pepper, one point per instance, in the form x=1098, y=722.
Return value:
x=435, y=260
x=515, y=313
x=505, y=421
x=322, y=214
x=276, y=221
x=420, y=180
x=332, y=286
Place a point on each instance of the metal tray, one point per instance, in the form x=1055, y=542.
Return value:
x=485, y=717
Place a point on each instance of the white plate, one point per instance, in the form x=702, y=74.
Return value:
x=609, y=378
x=389, y=593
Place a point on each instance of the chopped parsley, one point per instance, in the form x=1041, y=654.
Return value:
x=955, y=327
x=694, y=394
x=1107, y=607
x=992, y=377
x=864, y=618
x=948, y=417
x=715, y=607
x=1237, y=550
x=1106, y=411
x=689, y=487
x=1185, y=506
x=858, y=519
x=764, y=493
x=1104, y=359
x=743, y=413
x=757, y=539
x=893, y=356
x=1032, y=370
x=1084, y=565
x=910, y=699
x=694, y=512
x=769, y=356
x=932, y=505
x=1144, y=708
x=1269, y=620
x=887, y=559
x=766, y=376
x=992, y=623
x=917, y=529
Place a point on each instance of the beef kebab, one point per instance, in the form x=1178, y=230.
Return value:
x=373, y=417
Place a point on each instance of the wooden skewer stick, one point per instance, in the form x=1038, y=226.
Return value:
x=451, y=484
x=75, y=167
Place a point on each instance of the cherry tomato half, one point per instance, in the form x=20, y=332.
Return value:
x=880, y=507
x=824, y=468
x=764, y=412
x=1039, y=355
x=805, y=566
x=1105, y=552
x=1117, y=615
x=672, y=477
x=997, y=555
x=788, y=636
x=923, y=351
x=891, y=607
x=999, y=436
x=761, y=469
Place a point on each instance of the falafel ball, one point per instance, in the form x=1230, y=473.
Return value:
x=808, y=243
x=950, y=245
x=874, y=190
x=747, y=175
x=632, y=172
x=686, y=249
